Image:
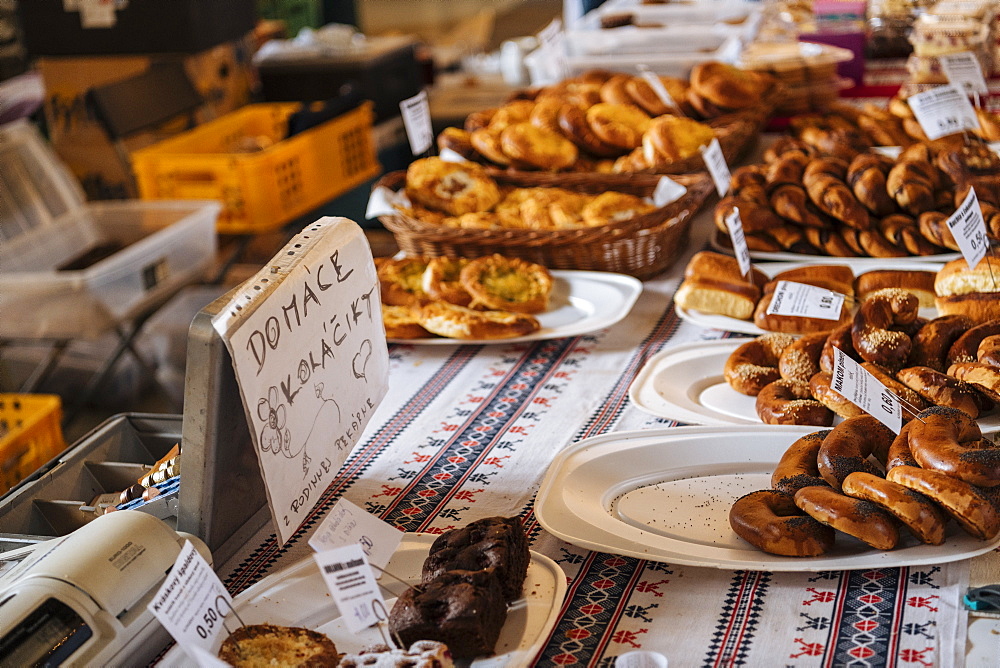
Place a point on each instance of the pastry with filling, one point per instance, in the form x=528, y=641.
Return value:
x=507, y=284
x=452, y=187
x=271, y=646
x=459, y=322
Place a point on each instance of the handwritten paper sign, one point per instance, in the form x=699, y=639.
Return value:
x=969, y=229
x=352, y=585
x=347, y=524
x=715, y=160
x=309, y=351
x=943, y=111
x=805, y=301
x=963, y=70
x=192, y=601
x=735, y=226
x=417, y=121
x=854, y=383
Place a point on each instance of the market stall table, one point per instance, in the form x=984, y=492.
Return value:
x=468, y=431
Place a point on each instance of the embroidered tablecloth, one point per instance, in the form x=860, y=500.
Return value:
x=468, y=432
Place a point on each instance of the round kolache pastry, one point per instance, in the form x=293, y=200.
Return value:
x=403, y=322
x=453, y=187
x=458, y=322
x=269, y=644
x=401, y=280
x=442, y=280
x=507, y=284
x=770, y=521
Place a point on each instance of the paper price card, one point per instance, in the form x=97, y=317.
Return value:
x=739, y=240
x=943, y=111
x=805, y=301
x=661, y=91
x=352, y=585
x=969, y=229
x=417, y=121
x=549, y=35
x=347, y=524
x=854, y=383
x=963, y=70
x=667, y=191
x=717, y=167
x=310, y=357
x=192, y=602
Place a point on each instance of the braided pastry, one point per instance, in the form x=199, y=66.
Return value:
x=834, y=198
x=791, y=202
x=912, y=184
x=901, y=230
x=866, y=176
x=934, y=227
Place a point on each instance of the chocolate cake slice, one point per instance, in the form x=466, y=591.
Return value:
x=465, y=610
x=496, y=543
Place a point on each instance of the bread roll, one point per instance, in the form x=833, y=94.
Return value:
x=713, y=284
x=918, y=283
x=836, y=277
x=971, y=292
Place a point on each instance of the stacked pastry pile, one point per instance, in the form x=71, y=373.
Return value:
x=948, y=361
x=860, y=203
x=604, y=122
x=467, y=580
x=948, y=28
x=463, y=195
x=491, y=297
x=862, y=480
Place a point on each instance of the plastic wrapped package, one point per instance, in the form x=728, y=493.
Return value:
x=928, y=70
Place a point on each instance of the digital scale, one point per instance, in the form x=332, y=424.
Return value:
x=81, y=599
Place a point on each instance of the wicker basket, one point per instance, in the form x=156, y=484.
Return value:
x=644, y=246
x=737, y=134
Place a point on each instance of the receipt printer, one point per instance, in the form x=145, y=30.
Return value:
x=81, y=599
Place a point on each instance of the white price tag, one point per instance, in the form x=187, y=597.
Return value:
x=943, y=111
x=717, y=167
x=417, y=121
x=192, y=602
x=97, y=14
x=969, y=229
x=805, y=301
x=963, y=70
x=352, y=585
x=854, y=383
x=348, y=524
x=450, y=155
x=667, y=191
x=660, y=90
x=739, y=240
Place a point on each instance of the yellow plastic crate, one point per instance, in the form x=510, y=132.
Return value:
x=261, y=190
x=30, y=435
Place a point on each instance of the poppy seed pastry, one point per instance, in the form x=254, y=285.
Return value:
x=496, y=543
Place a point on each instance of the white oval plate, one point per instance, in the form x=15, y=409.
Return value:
x=298, y=596
x=665, y=495
x=685, y=383
x=869, y=262
x=859, y=266
x=581, y=302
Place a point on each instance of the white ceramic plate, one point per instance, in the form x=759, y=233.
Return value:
x=581, y=302
x=665, y=495
x=868, y=262
x=685, y=383
x=858, y=265
x=297, y=596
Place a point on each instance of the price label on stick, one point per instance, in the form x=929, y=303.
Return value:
x=661, y=91
x=192, y=601
x=943, y=111
x=963, y=70
x=805, y=301
x=969, y=229
x=352, y=585
x=717, y=167
x=854, y=383
x=348, y=523
x=739, y=240
x=667, y=191
x=417, y=121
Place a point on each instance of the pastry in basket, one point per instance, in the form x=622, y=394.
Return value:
x=642, y=94
x=455, y=188
x=507, y=284
x=673, y=138
x=403, y=322
x=620, y=125
x=729, y=87
x=458, y=322
x=541, y=149
x=401, y=280
x=614, y=207
x=271, y=645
